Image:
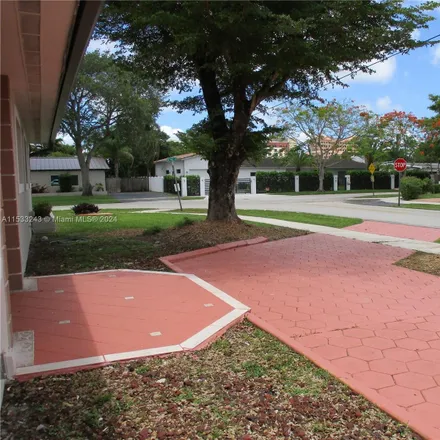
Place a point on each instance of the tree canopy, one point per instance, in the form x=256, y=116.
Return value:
x=109, y=107
x=245, y=54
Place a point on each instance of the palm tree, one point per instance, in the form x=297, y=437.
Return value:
x=298, y=158
x=116, y=152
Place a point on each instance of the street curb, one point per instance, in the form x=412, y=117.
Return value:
x=396, y=412
x=169, y=260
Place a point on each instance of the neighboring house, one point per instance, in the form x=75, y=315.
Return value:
x=47, y=170
x=42, y=44
x=193, y=164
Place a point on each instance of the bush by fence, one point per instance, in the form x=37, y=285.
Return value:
x=275, y=181
x=193, y=185
x=168, y=184
x=361, y=179
x=284, y=181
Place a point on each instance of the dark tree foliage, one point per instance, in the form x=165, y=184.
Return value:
x=245, y=54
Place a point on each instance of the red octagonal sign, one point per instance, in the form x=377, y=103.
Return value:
x=400, y=165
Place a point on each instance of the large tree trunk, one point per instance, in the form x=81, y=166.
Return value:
x=321, y=173
x=223, y=178
x=85, y=174
x=116, y=162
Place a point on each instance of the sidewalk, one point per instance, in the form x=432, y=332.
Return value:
x=404, y=243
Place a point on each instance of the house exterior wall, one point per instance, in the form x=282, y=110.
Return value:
x=161, y=168
x=199, y=167
x=16, y=187
x=43, y=178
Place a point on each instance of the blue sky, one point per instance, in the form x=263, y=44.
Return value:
x=400, y=83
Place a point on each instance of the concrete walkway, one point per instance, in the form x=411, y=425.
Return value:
x=396, y=241
x=402, y=231
x=404, y=243
x=346, y=306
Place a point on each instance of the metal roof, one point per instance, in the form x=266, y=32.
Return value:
x=65, y=164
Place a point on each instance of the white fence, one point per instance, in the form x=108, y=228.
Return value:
x=156, y=184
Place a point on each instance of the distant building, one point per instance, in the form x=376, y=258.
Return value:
x=328, y=147
x=280, y=147
x=47, y=170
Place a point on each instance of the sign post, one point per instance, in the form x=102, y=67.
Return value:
x=176, y=185
x=400, y=167
x=372, y=169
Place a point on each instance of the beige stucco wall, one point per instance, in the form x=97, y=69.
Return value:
x=43, y=178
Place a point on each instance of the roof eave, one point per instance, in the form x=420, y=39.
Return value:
x=86, y=17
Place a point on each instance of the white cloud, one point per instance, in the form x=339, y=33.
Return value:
x=171, y=132
x=384, y=72
x=436, y=55
x=415, y=34
x=383, y=104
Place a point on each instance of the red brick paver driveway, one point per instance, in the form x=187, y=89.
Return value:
x=394, y=230
x=348, y=305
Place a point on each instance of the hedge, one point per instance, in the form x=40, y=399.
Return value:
x=65, y=180
x=412, y=173
x=361, y=179
x=168, y=184
x=275, y=181
x=192, y=183
x=284, y=181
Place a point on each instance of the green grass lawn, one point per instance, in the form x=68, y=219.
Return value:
x=429, y=196
x=317, y=193
x=126, y=240
x=421, y=206
x=73, y=200
x=300, y=217
x=69, y=223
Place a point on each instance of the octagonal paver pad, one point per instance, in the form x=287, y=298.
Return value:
x=94, y=318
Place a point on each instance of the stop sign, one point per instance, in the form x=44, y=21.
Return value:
x=400, y=165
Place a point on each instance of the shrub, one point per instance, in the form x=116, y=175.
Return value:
x=42, y=209
x=361, y=179
x=436, y=188
x=85, y=208
x=417, y=173
x=152, y=230
x=276, y=181
x=193, y=185
x=66, y=182
x=428, y=185
x=99, y=187
x=38, y=189
x=411, y=188
x=168, y=184
x=186, y=221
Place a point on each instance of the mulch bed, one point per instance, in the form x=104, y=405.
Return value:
x=423, y=262
x=129, y=249
x=246, y=386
